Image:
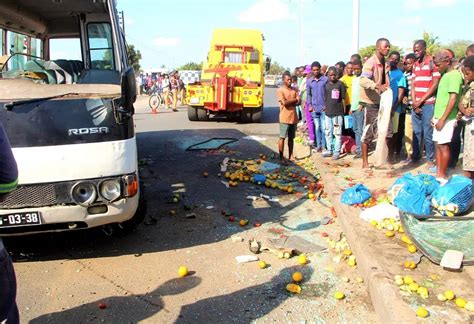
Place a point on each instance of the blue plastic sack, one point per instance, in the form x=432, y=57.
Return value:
x=355, y=195
x=259, y=178
x=412, y=193
x=454, y=197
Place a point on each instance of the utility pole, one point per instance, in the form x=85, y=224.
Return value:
x=355, y=26
x=122, y=20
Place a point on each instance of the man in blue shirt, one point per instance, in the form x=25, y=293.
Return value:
x=8, y=182
x=316, y=97
x=398, y=85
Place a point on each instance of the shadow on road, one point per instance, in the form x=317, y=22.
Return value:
x=167, y=168
x=242, y=306
x=124, y=309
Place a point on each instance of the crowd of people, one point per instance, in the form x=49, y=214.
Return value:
x=170, y=86
x=431, y=108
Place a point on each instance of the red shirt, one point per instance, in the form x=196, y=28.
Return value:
x=423, y=75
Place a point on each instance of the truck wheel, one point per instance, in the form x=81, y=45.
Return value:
x=202, y=114
x=246, y=116
x=257, y=115
x=192, y=113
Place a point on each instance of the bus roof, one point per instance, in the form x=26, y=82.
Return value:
x=43, y=17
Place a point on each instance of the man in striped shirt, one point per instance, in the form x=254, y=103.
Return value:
x=425, y=83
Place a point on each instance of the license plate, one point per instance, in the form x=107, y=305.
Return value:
x=194, y=100
x=19, y=219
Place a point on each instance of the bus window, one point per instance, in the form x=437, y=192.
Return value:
x=16, y=47
x=100, y=46
x=65, y=48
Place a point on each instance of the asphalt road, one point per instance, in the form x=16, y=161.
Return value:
x=63, y=277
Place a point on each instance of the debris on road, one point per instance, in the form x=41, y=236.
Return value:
x=246, y=258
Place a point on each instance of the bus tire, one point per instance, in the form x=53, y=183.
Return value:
x=257, y=115
x=192, y=113
x=129, y=225
x=202, y=114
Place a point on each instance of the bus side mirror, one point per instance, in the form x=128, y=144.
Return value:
x=268, y=62
x=129, y=89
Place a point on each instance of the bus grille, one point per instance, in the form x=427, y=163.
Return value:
x=39, y=195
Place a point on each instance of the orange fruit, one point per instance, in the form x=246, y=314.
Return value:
x=205, y=174
x=297, y=276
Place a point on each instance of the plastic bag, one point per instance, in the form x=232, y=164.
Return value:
x=427, y=184
x=380, y=212
x=454, y=197
x=411, y=194
x=355, y=195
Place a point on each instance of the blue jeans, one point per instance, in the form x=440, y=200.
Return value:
x=8, y=308
x=334, y=129
x=318, y=119
x=422, y=130
x=358, y=127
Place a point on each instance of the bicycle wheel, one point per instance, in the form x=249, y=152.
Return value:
x=155, y=101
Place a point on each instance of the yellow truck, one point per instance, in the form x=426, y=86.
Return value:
x=232, y=79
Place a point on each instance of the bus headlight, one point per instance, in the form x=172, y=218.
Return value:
x=130, y=183
x=84, y=193
x=110, y=189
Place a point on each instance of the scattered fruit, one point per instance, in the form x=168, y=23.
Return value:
x=302, y=259
x=469, y=306
x=183, y=271
x=412, y=248
x=262, y=264
x=460, y=302
x=172, y=212
x=102, y=306
x=243, y=222
x=423, y=292
x=294, y=288
x=345, y=279
x=389, y=234
x=175, y=200
x=410, y=264
x=406, y=240
x=360, y=279
x=422, y=312
x=205, y=174
x=347, y=252
x=339, y=295
x=413, y=286
x=231, y=218
x=408, y=280
x=449, y=294
x=441, y=297
x=297, y=276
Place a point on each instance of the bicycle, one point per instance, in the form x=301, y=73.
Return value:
x=157, y=98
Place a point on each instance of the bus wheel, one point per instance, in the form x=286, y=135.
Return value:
x=192, y=113
x=202, y=114
x=132, y=223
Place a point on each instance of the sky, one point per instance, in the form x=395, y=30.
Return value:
x=175, y=32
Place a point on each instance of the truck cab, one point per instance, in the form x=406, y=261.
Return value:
x=232, y=78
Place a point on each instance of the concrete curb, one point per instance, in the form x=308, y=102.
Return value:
x=388, y=304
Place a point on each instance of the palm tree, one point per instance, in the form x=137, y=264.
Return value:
x=432, y=43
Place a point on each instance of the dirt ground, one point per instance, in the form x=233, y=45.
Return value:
x=86, y=276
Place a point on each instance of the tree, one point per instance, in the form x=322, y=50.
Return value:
x=276, y=69
x=459, y=47
x=191, y=66
x=368, y=51
x=134, y=57
x=432, y=43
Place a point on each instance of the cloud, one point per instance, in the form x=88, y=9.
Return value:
x=267, y=11
x=418, y=4
x=166, y=41
x=410, y=21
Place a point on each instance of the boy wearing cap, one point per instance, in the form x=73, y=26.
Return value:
x=445, y=110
